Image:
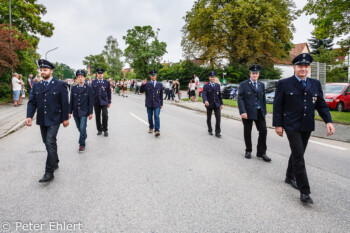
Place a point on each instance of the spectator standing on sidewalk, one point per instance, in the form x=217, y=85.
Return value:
x=30, y=83
x=196, y=81
x=16, y=88
x=171, y=91
x=192, y=89
x=22, y=93
x=166, y=89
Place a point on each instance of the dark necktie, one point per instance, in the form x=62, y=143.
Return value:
x=255, y=86
x=45, y=83
x=304, y=83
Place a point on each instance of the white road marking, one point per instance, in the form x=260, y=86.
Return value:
x=138, y=118
x=324, y=144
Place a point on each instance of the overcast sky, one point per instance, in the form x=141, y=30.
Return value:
x=82, y=26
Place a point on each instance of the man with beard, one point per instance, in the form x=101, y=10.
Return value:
x=49, y=98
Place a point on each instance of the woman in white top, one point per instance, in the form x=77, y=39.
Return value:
x=192, y=87
x=16, y=88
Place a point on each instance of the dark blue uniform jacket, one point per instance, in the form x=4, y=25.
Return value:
x=212, y=95
x=154, y=95
x=248, y=99
x=81, y=101
x=294, y=107
x=102, y=92
x=50, y=102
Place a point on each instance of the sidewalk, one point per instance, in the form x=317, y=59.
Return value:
x=342, y=132
x=12, y=118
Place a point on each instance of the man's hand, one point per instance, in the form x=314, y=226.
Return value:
x=221, y=107
x=69, y=116
x=330, y=129
x=206, y=103
x=109, y=105
x=144, y=82
x=279, y=131
x=29, y=121
x=65, y=123
x=244, y=116
x=161, y=107
x=90, y=116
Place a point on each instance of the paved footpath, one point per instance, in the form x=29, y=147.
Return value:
x=12, y=118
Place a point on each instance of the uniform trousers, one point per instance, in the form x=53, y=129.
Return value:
x=49, y=136
x=217, y=112
x=261, y=127
x=296, y=165
x=104, y=125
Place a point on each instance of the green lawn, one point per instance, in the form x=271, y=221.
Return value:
x=339, y=117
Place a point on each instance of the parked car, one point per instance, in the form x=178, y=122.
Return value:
x=338, y=96
x=270, y=97
x=270, y=84
x=200, y=87
x=226, y=90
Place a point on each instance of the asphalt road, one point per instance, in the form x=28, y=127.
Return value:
x=183, y=181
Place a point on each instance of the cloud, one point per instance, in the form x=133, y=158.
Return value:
x=82, y=26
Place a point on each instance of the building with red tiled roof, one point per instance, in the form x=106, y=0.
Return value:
x=286, y=65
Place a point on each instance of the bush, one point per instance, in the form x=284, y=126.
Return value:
x=5, y=91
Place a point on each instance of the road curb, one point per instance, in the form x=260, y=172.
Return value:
x=14, y=128
x=239, y=119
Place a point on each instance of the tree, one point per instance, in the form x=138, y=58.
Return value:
x=316, y=44
x=242, y=31
x=26, y=16
x=335, y=70
x=113, y=56
x=11, y=41
x=333, y=18
x=144, y=51
x=64, y=70
x=26, y=19
x=95, y=62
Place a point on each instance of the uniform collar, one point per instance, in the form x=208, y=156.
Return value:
x=48, y=81
x=253, y=81
x=299, y=79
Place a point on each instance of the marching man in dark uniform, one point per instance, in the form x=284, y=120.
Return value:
x=154, y=101
x=49, y=98
x=252, y=107
x=294, y=107
x=212, y=99
x=102, y=101
x=81, y=105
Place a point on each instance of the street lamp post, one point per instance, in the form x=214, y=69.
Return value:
x=49, y=51
x=10, y=14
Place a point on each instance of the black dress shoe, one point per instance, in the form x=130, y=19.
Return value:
x=99, y=132
x=106, y=133
x=305, y=198
x=47, y=177
x=210, y=133
x=264, y=157
x=56, y=167
x=292, y=182
x=248, y=155
x=218, y=135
